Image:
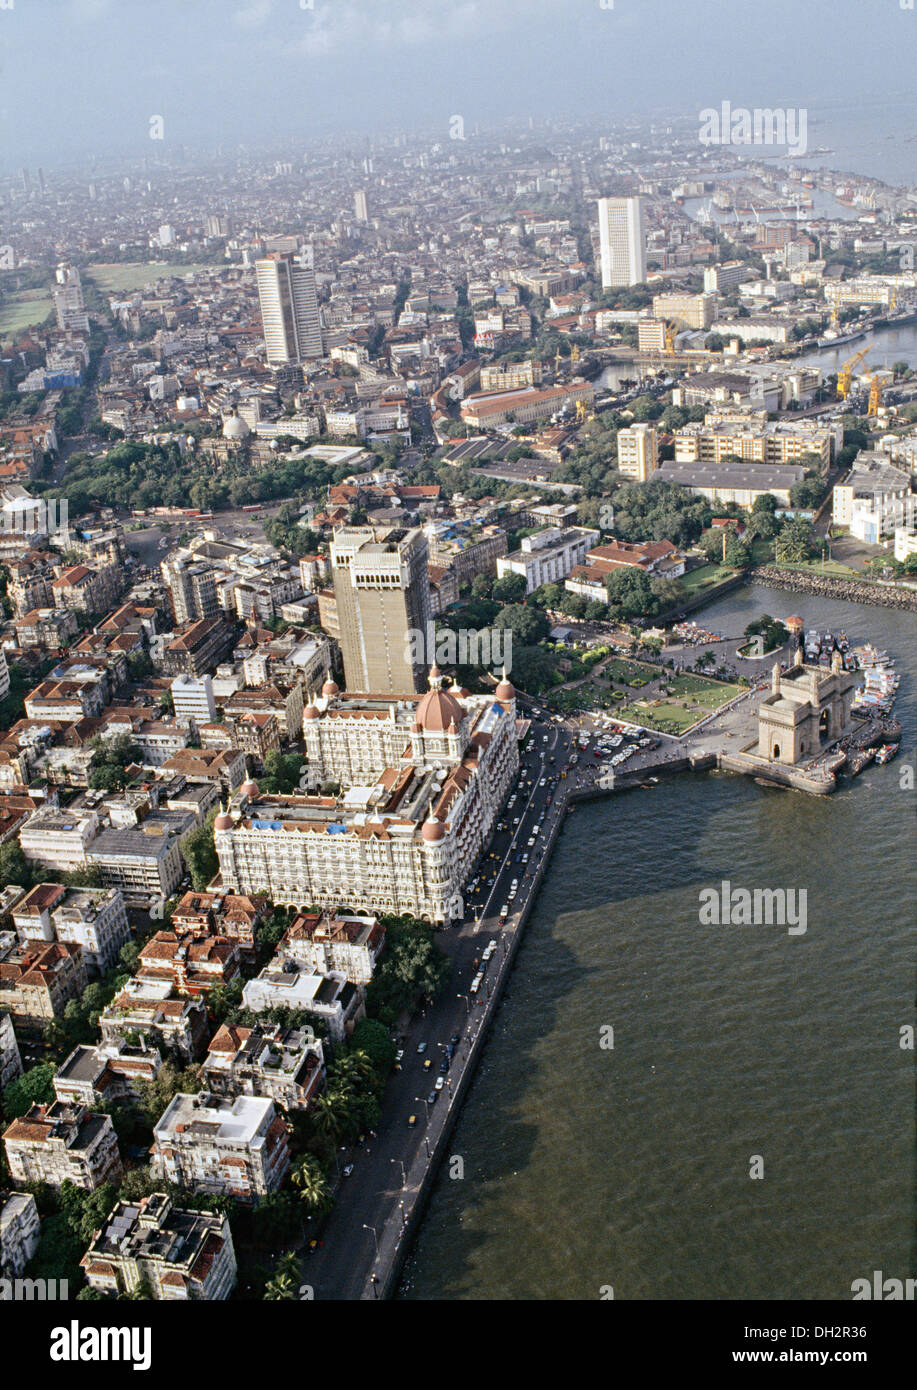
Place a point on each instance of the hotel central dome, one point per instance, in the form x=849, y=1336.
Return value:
x=437, y=710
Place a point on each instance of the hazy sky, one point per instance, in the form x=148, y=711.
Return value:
x=80, y=77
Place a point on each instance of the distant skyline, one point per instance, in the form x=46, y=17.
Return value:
x=80, y=78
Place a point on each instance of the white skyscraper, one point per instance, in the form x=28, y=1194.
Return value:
x=361, y=210
x=289, y=307
x=623, y=241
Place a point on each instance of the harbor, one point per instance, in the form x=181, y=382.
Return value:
x=731, y=1030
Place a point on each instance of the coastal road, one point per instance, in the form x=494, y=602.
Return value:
x=370, y=1197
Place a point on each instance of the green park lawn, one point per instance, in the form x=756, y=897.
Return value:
x=23, y=310
x=703, y=577
x=692, y=699
x=829, y=567
x=125, y=276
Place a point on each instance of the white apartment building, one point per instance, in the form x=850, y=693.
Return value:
x=184, y=1255
x=548, y=556
x=238, y=1147
x=874, y=498
x=95, y=919
x=10, y=1060
x=426, y=778
x=328, y=941
x=905, y=543
x=719, y=278
x=285, y=984
x=622, y=242
x=193, y=699
x=20, y=1229
x=59, y=840
x=638, y=452
x=60, y=1143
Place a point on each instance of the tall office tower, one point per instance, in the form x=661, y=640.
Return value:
x=68, y=300
x=26, y=180
x=638, y=452
x=623, y=242
x=289, y=307
x=192, y=587
x=359, y=206
x=41, y=179
x=383, y=598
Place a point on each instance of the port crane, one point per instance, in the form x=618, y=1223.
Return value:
x=670, y=330
x=845, y=375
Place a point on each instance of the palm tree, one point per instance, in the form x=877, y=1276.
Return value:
x=285, y=1283
x=309, y=1179
x=326, y=1117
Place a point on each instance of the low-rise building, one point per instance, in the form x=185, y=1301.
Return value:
x=60, y=1143
x=286, y=1064
x=230, y=915
x=107, y=1072
x=734, y=482
x=168, y=1252
x=548, y=556
x=10, y=1060
x=238, y=1147
x=94, y=919
x=284, y=983
x=193, y=965
x=20, y=1229
x=346, y=941
x=38, y=979
x=154, y=1010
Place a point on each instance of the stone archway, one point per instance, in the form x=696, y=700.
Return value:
x=824, y=724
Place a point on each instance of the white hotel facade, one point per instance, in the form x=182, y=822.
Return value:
x=422, y=782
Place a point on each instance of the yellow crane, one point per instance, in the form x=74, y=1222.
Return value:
x=582, y=412
x=875, y=394
x=671, y=328
x=575, y=354
x=845, y=375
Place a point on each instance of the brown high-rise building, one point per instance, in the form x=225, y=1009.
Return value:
x=383, y=602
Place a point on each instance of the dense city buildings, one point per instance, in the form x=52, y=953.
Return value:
x=360, y=499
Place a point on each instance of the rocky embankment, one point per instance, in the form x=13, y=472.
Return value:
x=851, y=590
